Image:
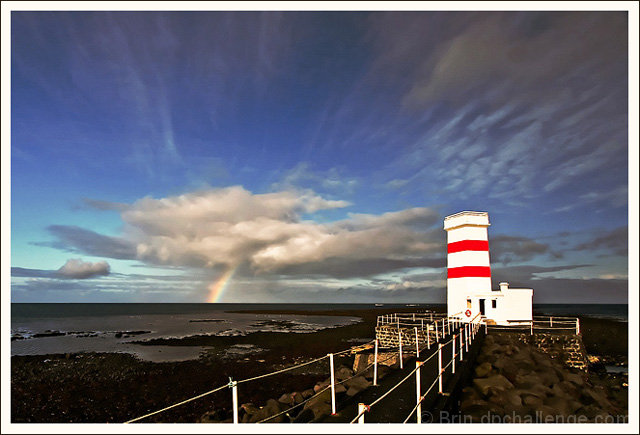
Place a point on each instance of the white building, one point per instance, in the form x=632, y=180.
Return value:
x=469, y=290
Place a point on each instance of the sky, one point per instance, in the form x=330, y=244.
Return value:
x=312, y=156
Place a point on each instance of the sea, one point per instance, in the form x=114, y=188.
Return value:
x=43, y=328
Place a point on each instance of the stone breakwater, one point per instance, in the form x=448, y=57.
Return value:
x=519, y=379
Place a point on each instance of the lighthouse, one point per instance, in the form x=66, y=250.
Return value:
x=469, y=292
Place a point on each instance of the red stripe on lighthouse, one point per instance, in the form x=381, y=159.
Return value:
x=467, y=245
x=469, y=272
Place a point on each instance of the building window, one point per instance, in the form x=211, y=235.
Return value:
x=468, y=303
x=494, y=303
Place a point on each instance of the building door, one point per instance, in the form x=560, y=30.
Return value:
x=482, y=307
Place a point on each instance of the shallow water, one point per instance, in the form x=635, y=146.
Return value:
x=105, y=332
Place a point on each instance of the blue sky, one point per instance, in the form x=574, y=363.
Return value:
x=311, y=156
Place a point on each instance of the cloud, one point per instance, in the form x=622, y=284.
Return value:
x=550, y=289
x=75, y=268
x=105, y=205
x=507, y=249
x=23, y=272
x=268, y=233
x=615, y=241
x=75, y=239
x=508, y=106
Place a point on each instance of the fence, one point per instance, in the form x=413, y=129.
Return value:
x=461, y=338
x=438, y=327
x=545, y=324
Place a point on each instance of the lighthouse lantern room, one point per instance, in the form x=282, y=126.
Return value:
x=469, y=292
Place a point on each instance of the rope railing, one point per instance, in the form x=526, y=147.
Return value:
x=177, y=404
x=266, y=375
x=367, y=408
x=437, y=317
x=328, y=387
x=235, y=383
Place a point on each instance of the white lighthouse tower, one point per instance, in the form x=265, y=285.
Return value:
x=469, y=292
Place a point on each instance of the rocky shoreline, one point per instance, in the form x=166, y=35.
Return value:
x=516, y=382
x=114, y=387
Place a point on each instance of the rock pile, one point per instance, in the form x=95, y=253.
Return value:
x=317, y=401
x=515, y=382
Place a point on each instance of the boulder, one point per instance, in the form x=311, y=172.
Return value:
x=483, y=370
x=532, y=401
x=321, y=385
x=247, y=410
x=340, y=388
x=343, y=373
x=359, y=382
x=287, y=399
x=307, y=393
x=492, y=383
x=548, y=378
x=527, y=381
x=305, y=416
x=562, y=406
x=213, y=416
x=319, y=409
x=506, y=398
x=597, y=397
x=547, y=414
x=271, y=408
x=575, y=378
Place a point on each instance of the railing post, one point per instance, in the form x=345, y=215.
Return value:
x=461, y=339
x=532, y=327
x=448, y=326
x=577, y=326
x=234, y=400
x=418, y=394
x=375, y=364
x=551, y=322
x=417, y=343
x=437, y=333
x=466, y=338
x=485, y=328
x=400, y=347
x=440, y=368
x=429, y=337
x=453, y=354
x=333, y=386
x=361, y=410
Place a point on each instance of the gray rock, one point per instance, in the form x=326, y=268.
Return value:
x=506, y=398
x=548, y=378
x=321, y=385
x=532, y=401
x=358, y=382
x=575, y=378
x=483, y=370
x=492, y=383
x=340, y=388
x=305, y=416
x=213, y=416
x=287, y=399
x=307, y=393
x=343, y=373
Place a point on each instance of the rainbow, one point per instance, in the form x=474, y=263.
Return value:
x=217, y=288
